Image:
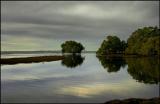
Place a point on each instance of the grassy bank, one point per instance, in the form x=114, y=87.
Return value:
x=10, y=61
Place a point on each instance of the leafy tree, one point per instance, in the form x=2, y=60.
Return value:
x=112, y=44
x=72, y=61
x=145, y=41
x=123, y=46
x=72, y=47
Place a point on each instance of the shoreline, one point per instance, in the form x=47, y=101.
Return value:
x=11, y=61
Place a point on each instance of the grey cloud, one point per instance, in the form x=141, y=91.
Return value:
x=88, y=21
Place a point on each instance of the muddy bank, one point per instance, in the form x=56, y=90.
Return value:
x=11, y=61
x=135, y=101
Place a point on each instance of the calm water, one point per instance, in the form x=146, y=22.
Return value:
x=80, y=79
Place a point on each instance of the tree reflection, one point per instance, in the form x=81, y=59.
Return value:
x=144, y=70
x=72, y=61
x=111, y=64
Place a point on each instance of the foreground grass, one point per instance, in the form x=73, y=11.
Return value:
x=10, y=61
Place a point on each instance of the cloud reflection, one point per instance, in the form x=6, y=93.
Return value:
x=91, y=90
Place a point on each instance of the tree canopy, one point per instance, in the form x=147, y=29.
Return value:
x=72, y=47
x=145, y=41
x=112, y=44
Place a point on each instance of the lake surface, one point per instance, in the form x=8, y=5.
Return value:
x=80, y=79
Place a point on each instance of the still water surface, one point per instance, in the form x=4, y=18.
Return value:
x=80, y=79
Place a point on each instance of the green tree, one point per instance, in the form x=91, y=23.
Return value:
x=123, y=46
x=145, y=41
x=72, y=47
x=112, y=44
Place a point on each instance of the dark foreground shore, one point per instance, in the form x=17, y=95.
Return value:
x=135, y=101
x=10, y=61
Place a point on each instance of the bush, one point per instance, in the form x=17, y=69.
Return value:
x=72, y=47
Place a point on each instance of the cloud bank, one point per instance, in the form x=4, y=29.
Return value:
x=44, y=25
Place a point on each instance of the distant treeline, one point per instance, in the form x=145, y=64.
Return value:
x=144, y=41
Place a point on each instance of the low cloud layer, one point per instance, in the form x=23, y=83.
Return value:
x=47, y=24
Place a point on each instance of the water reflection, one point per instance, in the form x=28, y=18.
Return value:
x=111, y=64
x=144, y=70
x=51, y=82
x=72, y=61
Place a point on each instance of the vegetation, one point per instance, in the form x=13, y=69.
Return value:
x=72, y=61
x=72, y=47
x=111, y=45
x=145, y=41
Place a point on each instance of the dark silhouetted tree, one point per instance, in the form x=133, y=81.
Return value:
x=72, y=47
x=145, y=41
x=112, y=44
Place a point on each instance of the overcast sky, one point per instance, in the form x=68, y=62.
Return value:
x=45, y=25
